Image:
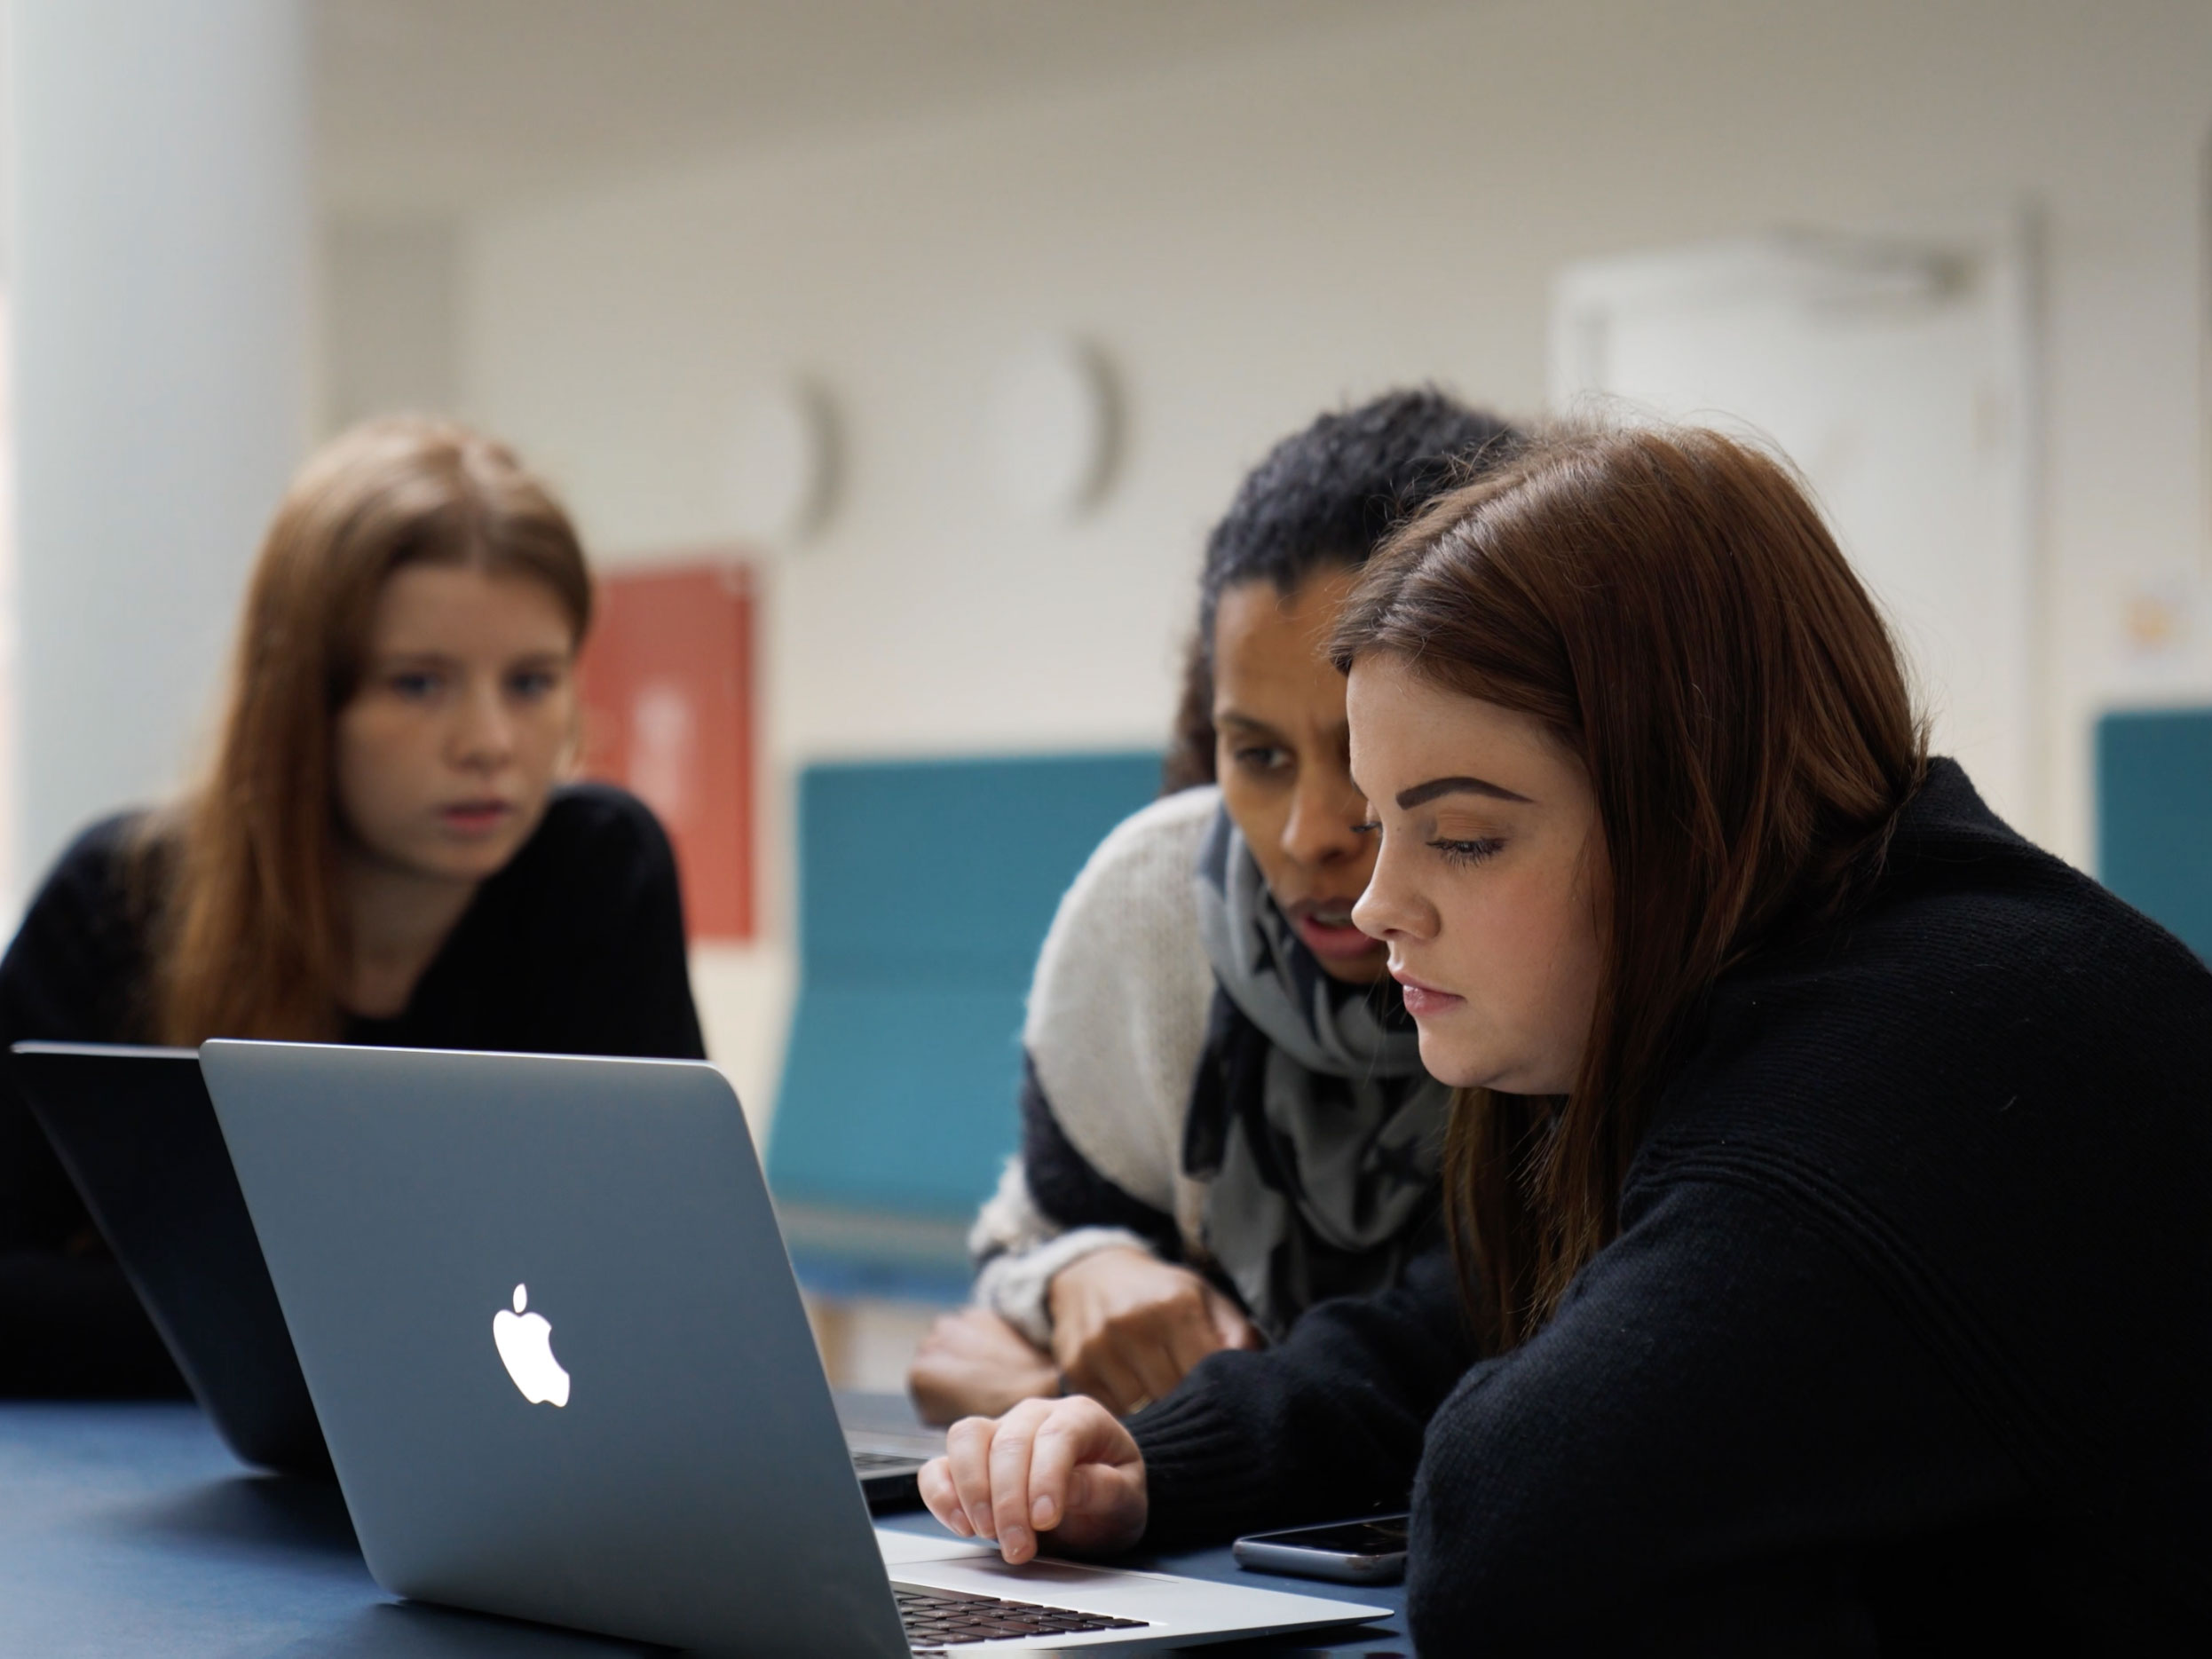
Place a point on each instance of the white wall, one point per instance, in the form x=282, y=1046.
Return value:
x=162, y=286
x=390, y=300
x=1253, y=242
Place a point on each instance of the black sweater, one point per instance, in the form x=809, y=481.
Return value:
x=1905, y=1343
x=575, y=947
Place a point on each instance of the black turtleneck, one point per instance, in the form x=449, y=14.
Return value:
x=575, y=947
x=1905, y=1342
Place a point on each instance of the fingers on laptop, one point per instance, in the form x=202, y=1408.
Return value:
x=1013, y=1505
x=942, y=1498
x=1087, y=1464
x=957, y=1486
x=1045, y=1466
x=1059, y=1480
x=990, y=1467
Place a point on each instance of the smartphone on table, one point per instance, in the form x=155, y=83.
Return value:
x=1370, y=1552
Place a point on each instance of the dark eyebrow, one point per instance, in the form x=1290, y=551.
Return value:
x=1230, y=717
x=1421, y=794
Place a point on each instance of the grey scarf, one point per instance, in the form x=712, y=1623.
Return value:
x=1311, y=1120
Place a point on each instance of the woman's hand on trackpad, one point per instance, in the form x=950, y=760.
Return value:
x=1067, y=1467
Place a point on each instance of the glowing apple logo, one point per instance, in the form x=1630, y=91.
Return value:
x=526, y=1347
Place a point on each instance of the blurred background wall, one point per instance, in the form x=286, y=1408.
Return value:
x=1306, y=207
x=618, y=234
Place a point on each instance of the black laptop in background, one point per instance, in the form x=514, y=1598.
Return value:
x=136, y=1131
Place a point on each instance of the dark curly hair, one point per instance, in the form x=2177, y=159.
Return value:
x=1323, y=497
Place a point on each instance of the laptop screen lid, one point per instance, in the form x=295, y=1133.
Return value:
x=548, y=1321
x=135, y=1131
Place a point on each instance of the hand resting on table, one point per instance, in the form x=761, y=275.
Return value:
x=1126, y=1327
x=974, y=1364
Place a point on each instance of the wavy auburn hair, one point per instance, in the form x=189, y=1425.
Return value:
x=249, y=939
x=1669, y=603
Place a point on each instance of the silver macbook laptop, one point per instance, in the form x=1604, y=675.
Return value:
x=557, y=1353
x=134, y=1129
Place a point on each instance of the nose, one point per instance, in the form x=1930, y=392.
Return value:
x=1392, y=907
x=1323, y=827
x=483, y=737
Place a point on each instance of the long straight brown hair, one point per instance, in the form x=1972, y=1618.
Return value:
x=1668, y=603
x=249, y=937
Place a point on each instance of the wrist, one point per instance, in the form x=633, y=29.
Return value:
x=1105, y=1253
x=1018, y=1285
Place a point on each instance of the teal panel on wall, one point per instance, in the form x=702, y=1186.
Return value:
x=2154, y=816
x=912, y=868
x=898, y=1097
x=925, y=890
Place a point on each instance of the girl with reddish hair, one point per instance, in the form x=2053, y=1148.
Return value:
x=382, y=849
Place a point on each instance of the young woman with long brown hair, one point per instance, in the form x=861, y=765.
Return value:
x=1829, y=1166
x=381, y=851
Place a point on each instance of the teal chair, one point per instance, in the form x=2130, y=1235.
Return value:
x=925, y=890
x=2154, y=816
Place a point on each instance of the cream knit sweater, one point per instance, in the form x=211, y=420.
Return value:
x=1116, y=1023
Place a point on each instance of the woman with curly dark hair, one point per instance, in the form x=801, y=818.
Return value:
x=1224, y=1114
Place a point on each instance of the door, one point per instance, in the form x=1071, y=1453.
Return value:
x=1896, y=374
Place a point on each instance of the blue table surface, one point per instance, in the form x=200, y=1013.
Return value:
x=129, y=1529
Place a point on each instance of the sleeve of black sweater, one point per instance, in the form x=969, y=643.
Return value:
x=1327, y=1424
x=1068, y=1191
x=69, y=1321
x=1903, y=1338
x=1612, y=1477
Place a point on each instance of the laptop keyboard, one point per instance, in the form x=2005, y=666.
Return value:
x=935, y=1618
x=870, y=1462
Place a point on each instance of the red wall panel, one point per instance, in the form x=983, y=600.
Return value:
x=668, y=690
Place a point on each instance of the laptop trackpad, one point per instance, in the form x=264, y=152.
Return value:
x=900, y=1548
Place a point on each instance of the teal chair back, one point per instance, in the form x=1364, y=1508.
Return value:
x=2154, y=816
x=925, y=890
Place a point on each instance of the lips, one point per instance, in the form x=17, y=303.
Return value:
x=1325, y=927
x=476, y=818
x=1422, y=1000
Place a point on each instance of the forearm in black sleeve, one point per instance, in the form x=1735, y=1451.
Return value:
x=1068, y=1191
x=1327, y=1424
